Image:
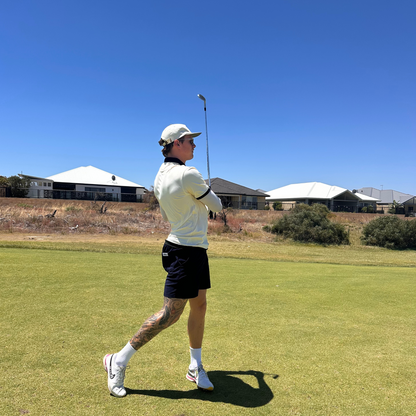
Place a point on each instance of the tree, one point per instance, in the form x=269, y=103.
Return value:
x=394, y=207
x=19, y=185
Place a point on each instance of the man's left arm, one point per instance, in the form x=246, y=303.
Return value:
x=196, y=186
x=211, y=201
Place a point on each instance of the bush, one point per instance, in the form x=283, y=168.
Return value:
x=277, y=206
x=390, y=232
x=368, y=209
x=310, y=224
x=150, y=199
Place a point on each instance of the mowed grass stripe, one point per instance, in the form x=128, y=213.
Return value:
x=340, y=338
x=240, y=249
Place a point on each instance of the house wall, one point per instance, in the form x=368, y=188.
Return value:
x=242, y=201
x=288, y=205
x=49, y=189
x=334, y=204
x=38, y=187
x=410, y=207
x=261, y=202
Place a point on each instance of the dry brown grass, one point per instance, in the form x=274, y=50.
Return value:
x=34, y=216
x=131, y=228
x=83, y=218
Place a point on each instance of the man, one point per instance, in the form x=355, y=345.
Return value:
x=185, y=201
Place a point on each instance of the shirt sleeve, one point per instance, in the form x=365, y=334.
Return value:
x=164, y=216
x=212, y=201
x=196, y=186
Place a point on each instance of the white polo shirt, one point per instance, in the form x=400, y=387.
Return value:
x=185, y=201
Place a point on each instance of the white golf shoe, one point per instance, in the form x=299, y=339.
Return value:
x=116, y=376
x=200, y=377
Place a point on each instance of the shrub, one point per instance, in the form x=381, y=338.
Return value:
x=150, y=199
x=310, y=224
x=277, y=206
x=390, y=232
x=368, y=209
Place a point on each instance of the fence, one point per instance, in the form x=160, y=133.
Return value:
x=84, y=196
x=5, y=192
x=246, y=205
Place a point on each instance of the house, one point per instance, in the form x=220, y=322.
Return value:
x=86, y=183
x=388, y=196
x=237, y=196
x=334, y=197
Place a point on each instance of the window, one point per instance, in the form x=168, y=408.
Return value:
x=87, y=189
x=49, y=184
x=248, y=202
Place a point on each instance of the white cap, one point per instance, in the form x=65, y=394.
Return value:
x=175, y=131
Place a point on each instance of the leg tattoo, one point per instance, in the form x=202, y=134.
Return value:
x=169, y=314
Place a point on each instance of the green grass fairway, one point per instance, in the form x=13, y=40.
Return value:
x=281, y=338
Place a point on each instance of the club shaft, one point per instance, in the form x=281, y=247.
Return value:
x=206, y=130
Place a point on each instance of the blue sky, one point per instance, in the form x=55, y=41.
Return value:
x=297, y=91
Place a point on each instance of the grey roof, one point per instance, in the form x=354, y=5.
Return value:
x=386, y=196
x=37, y=177
x=221, y=187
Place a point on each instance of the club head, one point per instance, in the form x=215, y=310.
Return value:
x=202, y=98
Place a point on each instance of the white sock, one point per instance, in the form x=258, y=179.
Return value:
x=123, y=357
x=195, y=358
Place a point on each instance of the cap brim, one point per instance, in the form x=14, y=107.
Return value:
x=188, y=134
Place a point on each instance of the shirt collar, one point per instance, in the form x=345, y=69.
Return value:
x=174, y=160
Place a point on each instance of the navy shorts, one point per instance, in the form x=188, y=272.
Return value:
x=188, y=270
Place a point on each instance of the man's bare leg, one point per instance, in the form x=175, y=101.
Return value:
x=196, y=320
x=115, y=364
x=169, y=314
x=196, y=325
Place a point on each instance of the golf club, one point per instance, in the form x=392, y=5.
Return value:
x=206, y=130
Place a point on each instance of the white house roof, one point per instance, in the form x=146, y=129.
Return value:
x=366, y=197
x=308, y=190
x=89, y=175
